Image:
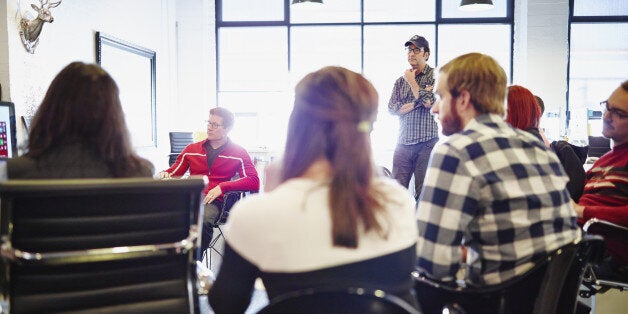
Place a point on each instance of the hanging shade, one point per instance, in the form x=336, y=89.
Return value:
x=476, y=5
x=301, y=1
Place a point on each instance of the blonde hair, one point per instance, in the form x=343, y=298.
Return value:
x=482, y=77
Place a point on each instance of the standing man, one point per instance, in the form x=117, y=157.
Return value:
x=605, y=193
x=495, y=198
x=220, y=160
x=411, y=100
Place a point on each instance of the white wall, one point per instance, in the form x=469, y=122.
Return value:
x=541, y=51
x=147, y=23
x=196, y=62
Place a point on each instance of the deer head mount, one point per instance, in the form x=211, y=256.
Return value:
x=31, y=28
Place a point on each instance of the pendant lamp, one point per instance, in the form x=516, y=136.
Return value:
x=302, y=1
x=475, y=5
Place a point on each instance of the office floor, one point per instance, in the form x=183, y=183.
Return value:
x=612, y=301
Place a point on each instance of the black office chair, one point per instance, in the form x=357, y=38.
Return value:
x=551, y=286
x=598, y=146
x=340, y=301
x=178, y=141
x=386, y=172
x=604, y=275
x=229, y=199
x=100, y=245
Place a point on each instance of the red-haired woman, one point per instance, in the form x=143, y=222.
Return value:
x=524, y=113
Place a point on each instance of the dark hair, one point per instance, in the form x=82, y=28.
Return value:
x=523, y=111
x=624, y=85
x=226, y=115
x=82, y=105
x=334, y=109
x=540, y=102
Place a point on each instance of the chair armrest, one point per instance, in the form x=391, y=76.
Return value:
x=606, y=228
x=101, y=254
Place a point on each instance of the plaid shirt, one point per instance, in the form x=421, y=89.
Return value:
x=417, y=125
x=498, y=191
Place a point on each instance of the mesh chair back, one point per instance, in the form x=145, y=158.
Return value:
x=178, y=141
x=81, y=229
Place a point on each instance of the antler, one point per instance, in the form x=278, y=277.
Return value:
x=45, y=3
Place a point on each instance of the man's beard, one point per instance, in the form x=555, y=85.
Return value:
x=451, y=123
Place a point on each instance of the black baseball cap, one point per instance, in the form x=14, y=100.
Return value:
x=418, y=41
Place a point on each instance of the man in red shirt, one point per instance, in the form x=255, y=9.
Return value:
x=220, y=160
x=605, y=193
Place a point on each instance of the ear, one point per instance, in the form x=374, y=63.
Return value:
x=35, y=7
x=463, y=101
x=465, y=106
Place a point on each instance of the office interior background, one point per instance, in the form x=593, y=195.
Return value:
x=247, y=56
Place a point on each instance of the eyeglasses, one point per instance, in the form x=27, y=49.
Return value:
x=415, y=50
x=613, y=112
x=213, y=125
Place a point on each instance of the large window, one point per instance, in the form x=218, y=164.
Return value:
x=598, y=59
x=266, y=46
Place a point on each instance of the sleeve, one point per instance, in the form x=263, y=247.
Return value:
x=395, y=98
x=426, y=95
x=233, y=288
x=249, y=179
x=181, y=165
x=573, y=167
x=447, y=205
x=615, y=214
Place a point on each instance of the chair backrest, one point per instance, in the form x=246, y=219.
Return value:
x=551, y=286
x=351, y=300
x=178, y=141
x=598, y=146
x=229, y=199
x=558, y=291
x=99, y=245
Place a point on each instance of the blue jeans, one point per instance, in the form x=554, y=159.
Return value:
x=411, y=160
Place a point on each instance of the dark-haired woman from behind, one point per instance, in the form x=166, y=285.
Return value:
x=524, y=113
x=79, y=131
x=332, y=221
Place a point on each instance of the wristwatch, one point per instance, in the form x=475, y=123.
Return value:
x=416, y=102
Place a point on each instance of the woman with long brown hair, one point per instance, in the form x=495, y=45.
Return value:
x=332, y=221
x=79, y=131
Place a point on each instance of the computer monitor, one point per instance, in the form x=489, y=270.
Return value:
x=8, y=135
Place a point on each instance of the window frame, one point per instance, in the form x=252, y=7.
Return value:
x=439, y=20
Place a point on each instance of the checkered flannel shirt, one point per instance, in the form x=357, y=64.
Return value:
x=501, y=193
x=417, y=125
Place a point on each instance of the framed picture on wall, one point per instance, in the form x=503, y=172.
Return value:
x=133, y=69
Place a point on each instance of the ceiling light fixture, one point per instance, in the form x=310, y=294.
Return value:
x=475, y=5
x=302, y=1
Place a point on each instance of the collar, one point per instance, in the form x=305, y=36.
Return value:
x=208, y=146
